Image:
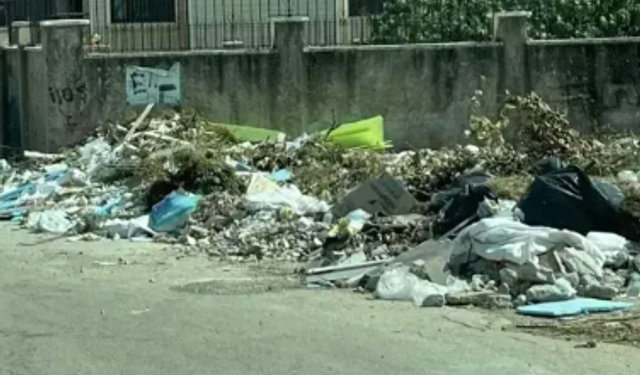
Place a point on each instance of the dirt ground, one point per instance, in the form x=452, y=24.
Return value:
x=138, y=308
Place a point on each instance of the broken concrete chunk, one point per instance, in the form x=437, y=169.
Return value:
x=504, y=289
x=418, y=268
x=610, y=278
x=636, y=263
x=520, y=300
x=599, y=291
x=433, y=257
x=478, y=282
x=634, y=286
x=587, y=279
x=571, y=277
x=551, y=261
x=536, y=274
x=560, y=291
x=469, y=298
x=499, y=301
x=198, y=231
x=509, y=277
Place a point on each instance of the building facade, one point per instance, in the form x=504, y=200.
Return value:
x=129, y=25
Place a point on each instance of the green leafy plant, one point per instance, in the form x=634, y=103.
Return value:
x=432, y=21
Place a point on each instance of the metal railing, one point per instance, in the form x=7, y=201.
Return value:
x=126, y=25
x=169, y=25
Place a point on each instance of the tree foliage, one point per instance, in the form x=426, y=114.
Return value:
x=432, y=21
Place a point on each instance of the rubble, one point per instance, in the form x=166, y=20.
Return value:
x=507, y=221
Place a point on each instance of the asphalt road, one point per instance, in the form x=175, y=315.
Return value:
x=123, y=308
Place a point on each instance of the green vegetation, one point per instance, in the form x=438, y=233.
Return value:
x=433, y=21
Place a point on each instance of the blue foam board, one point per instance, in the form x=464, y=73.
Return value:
x=577, y=306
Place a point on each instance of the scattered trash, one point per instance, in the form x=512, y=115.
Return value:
x=286, y=197
x=4, y=166
x=49, y=222
x=173, y=212
x=551, y=216
x=383, y=195
x=283, y=175
x=568, y=199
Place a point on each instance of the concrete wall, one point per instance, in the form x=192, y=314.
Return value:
x=598, y=81
x=425, y=104
x=36, y=128
x=11, y=106
x=4, y=36
x=28, y=126
x=422, y=91
x=3, y=87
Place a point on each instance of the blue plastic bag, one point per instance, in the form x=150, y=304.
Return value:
x=17, y=192
x=173, y=212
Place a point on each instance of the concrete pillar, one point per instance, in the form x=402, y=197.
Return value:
x=289, y=42
x=4, y=110
x=511, y=29
x=63, y=46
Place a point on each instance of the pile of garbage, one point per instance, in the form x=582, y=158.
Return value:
x=545, y=218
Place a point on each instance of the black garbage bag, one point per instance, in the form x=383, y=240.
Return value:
x=442, y=199
x=568, y=199
x=461, y=202
x=547, y=165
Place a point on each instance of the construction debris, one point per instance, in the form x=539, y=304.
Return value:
x=548, y=217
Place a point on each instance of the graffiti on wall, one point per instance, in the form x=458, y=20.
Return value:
x=152, y=85
x=70, y=98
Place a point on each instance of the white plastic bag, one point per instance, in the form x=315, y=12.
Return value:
x=94, y=155
x=41, y=192
x=137, y=227
x=613, y=246
x=4, y=166
x=627, y=177
x=49, y=222
x=428, y=294
x=286, y=196
x=396, y=284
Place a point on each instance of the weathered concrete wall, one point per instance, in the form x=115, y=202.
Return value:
x=36, y=129
x=4, y=36
x=12, y=129
x=3, y=87
x=229, y=87
x=598, y=81
x=63, y=44
x=422, y=91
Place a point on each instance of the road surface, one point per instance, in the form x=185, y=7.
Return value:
x=131, y=308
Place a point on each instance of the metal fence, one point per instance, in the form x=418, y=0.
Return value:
x=169, y=25
x=124, y=25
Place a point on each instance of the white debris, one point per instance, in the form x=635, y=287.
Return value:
x=53, y=221
x=399, y=284
x=502, y=239
x=286, y=197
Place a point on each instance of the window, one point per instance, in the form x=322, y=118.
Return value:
x=143, y=11
x=365, y=7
